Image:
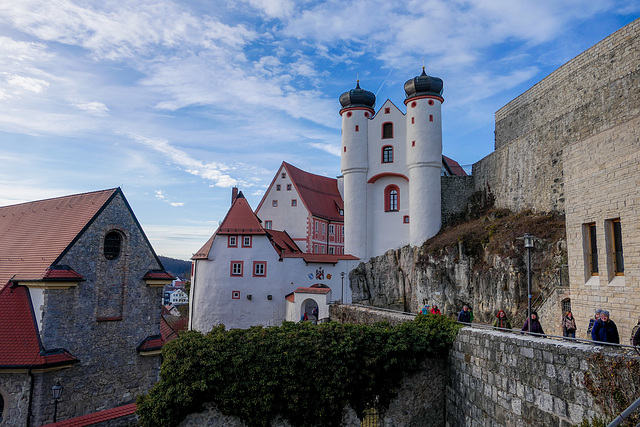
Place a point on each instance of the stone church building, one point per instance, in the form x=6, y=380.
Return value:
x=80, y=301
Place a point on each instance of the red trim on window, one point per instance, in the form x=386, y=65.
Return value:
x=294, y=202
x=405, y=219
x=430, y=117
x=250, y=241
x=387, y=110
x=413, y=143
x=413, y=104
x=349, y=114
x=241, y=269
x=274, y=203
x=388, y=205
x=382, y=154
x=413, y=120
x=264, y=263
x=235, y=294
x=229, y=244
x=345, y=148
x=385, y=174
x=357, y=128
x=431, y=102
x=382, y=130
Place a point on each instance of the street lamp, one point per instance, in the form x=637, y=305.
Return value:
x=342, y=288
x=56, y=392
x=528, y=244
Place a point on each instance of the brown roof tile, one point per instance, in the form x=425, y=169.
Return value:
x=97, y=417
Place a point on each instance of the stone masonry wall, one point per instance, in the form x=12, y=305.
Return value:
x=362, y=315
x=595, y=91
x=503, y=379
x=456, y=192
x=110, y=371
x=14, y=390
x=602, y=184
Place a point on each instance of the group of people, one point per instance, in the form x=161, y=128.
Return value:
x=427, y=309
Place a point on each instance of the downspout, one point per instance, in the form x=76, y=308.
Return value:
x=192, y=293
x=30, y=398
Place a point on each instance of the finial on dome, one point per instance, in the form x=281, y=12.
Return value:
x=358, y=97
x=423, y=85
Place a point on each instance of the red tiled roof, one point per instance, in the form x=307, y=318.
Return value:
x=319, y=193
x=312, y=290
x=157, y=274
x=321, y=258
x=97, y=417
x=290, y=297
x=283, y=243
x=240, y=219
x=33, y=235
x=20, y=345
x=453, y=166
x=61, y=272
x=152, y=342
x=171, y=326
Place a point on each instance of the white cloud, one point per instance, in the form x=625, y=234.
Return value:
x=329, y=148
x=28, y=83
x=95, y=108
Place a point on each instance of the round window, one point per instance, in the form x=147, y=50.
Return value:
x=112, y=245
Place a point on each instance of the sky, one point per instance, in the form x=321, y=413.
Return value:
x=178, y=101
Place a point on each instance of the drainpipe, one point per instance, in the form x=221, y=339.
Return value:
x=30, y=398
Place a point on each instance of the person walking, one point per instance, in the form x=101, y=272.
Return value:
x=435, y=309
x=596, y=317
x=635, y=334
x=464, y=316
x=501, y=322
x=569, y=325
x=605, y=330
x=425, y=309
x=536, y=326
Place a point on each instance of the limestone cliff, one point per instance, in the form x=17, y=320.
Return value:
x=480, y=263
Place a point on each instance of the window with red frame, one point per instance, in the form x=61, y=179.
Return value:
x=387, y=130
x=259, y=268
x=246, y=241
x=236, y=268
x=232, y=242
x=387, y=154
x=391, y=198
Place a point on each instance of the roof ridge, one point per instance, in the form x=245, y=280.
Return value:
x=61, y=197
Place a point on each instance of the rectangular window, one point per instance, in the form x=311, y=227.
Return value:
x=268, y=224
x=331, y=250
x=323, y=228
x=288, y=187
x=232, y=242
x=618, y=259
x=277, y=187
x=260, y=268
x=332, y=229
x=405, y=219
x=315, y=248
x=322, y=248
x=316, y=226
x=284, y=175
x=274, y=203
x=357, y=128
x=294, y=202
x=246, y=242
x=593, y=249
x=235, y=294
x=236, y=268
x=430, y=117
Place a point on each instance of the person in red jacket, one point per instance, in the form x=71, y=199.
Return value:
x=435, y=309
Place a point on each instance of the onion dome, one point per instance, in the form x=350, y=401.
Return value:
x=358, y=98
x=423, y=85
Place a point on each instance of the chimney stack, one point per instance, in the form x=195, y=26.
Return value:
x=234, y=194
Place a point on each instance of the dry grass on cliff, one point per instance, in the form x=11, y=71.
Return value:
x=496, y=232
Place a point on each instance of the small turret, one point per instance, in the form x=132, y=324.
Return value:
x=423, y=85
x=358, y=98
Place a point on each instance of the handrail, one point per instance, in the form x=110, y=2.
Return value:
x=620, y=418
x=554, y=283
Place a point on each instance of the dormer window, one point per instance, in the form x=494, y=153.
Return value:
x=112, y=245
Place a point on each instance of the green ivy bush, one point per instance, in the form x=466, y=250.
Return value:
x=298, y=370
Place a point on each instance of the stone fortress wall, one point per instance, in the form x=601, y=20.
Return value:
x=595, y=91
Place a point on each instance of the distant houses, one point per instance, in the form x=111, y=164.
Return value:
x=80, y=294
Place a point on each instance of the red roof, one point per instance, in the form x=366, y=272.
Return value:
x=20, y=345
x=171, y=326
x=283, y=243
x=312, y=290
x=157, y=274
x=62, y=272
x=34, y=235
x=97, y=417
x=453, y=166
x=321, y=258
x=240, y=219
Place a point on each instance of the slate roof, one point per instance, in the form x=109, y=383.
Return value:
x=20, y=345
x=97, y=417
x=34, y=235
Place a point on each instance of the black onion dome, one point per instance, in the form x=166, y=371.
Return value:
x=423, y=85
x=358, y=98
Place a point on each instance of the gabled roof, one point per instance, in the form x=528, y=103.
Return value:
x=34, y=235
x=319, y=194
x=97, y=417
x=453, y=167
x=282, y=242
x=20, y=345
x=240, y=219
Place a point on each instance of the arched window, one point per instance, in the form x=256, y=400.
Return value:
x=391, y=198
x=387, y=154
x=112, y=245
x=387, y=130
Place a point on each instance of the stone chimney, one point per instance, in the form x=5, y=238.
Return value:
x=234, y=194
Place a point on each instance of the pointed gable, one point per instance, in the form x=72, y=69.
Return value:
x=240, y=219
x=318, y=193
x=34, y=235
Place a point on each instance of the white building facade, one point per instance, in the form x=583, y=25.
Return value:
x=391, y=164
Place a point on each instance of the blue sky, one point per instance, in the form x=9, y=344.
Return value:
x=178, y=101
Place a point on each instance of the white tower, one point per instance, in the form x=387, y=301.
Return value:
x=424, y=155
x=357, y=110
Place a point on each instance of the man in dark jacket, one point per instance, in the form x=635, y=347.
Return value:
x=464, y=316
x=604, y=330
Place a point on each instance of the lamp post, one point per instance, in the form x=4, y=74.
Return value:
x=528, y=244
x=56, y=392
x=342, y=288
